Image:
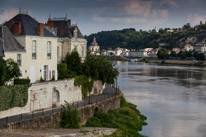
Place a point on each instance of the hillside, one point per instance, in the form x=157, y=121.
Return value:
x=132, y=39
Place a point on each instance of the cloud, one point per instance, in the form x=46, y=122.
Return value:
x=171, y=3
x=138, y=7
x=195, y=19
x=119, y=19
x=160, y=13
x=8, y=14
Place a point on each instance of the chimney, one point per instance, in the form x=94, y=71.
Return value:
x=50, y=22
x=17, y=28
x=41, y=29
x=69, y=22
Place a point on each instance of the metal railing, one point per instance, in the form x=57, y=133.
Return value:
x=44, y=112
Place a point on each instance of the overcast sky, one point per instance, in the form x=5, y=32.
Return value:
x=97, y=15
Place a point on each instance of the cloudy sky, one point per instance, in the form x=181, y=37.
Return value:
x=97, y=15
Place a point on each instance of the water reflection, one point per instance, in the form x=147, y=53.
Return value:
x=173, y=97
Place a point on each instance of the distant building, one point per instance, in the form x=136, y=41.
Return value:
x=69, y=37
x=32, y=46
x=118, y=51
x=177, y=50
x=94, y=47
x=153, y=53
x=200, y=47
x=140, y=53
x=125, y=52
x=188, y=47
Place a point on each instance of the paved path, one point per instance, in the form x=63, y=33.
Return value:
x=108, y=93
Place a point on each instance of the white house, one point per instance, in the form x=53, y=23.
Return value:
x=69, y=37
x=200, y=47
x=32, y=46
x=118, y=51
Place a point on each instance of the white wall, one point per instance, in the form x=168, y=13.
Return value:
x=40, y=96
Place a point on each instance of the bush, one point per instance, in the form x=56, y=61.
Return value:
x=62, y=70
x=2, y=71
x=200, y=56
x=69, y=117
x=13, y=96
x=21, y=81
x=163, y=54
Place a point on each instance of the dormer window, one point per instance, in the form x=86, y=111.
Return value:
x=75, y=32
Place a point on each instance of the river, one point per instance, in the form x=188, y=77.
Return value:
x=172, y=97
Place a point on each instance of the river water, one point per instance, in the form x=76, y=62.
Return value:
x=172, y=97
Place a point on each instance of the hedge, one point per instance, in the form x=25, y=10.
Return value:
x=21, y=81
x=13, y=96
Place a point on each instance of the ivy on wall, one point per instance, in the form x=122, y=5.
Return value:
x=13, y=96
x=84, y=82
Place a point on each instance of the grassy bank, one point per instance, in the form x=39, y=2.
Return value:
x=117, y=58
x=126, y=119
x=173, y=62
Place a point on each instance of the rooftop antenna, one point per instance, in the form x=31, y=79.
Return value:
x=19, y=9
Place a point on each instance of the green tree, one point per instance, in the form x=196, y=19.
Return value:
x=173, y=54
x=62, y=70
x=195, y=54
x=12, y=69
x=2, y=71
x=99, y=68
x=73, y=62
x=163, y=54
x=189, y=54
x=182, y=54
x=200, y=56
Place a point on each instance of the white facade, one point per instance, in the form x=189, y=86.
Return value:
x=43, y=65
x=188, y=47
x=66, y=45
x=201, y=47
x=118, y=51
x=140, y=53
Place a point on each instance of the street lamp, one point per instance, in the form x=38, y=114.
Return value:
x=89, y=88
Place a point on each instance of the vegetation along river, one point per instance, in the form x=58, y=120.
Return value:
x=172, y=97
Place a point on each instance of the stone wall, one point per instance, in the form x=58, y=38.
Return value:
x=53, y=121
x=45, y=95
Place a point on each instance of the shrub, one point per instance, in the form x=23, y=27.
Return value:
x=18, y=81
x=13, y=96
x=62, y=70
x=69, y=117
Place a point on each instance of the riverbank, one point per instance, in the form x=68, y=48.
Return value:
x=127, y=120
x=117, y=58
x=174, y=62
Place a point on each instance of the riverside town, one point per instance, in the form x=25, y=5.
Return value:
x=102, y=68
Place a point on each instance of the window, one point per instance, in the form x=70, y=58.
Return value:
x=49, y=50
x=19, y=59
x=45, y=72
x=82, y=51
x=34, y=49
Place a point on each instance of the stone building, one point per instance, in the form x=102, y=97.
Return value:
x=69, y=37
x=94, y=47
x=32, y=46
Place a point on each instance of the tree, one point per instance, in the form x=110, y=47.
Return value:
x=200, y=56
x=73, y=62
x=12, y=70
x=195, y=54
x=2, y=71
x=173, y=54
x=163, y=54
x=99, y=68
x=62, y=70
x=189, y=54
x=182, y=54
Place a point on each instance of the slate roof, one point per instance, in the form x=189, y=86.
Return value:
x=64, y=29
x=29, y=25
x=9, y=42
